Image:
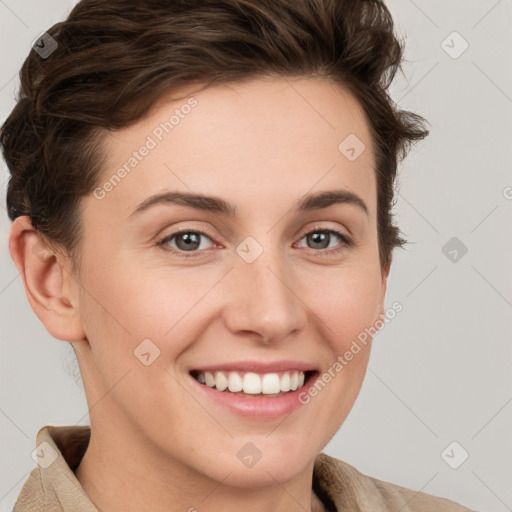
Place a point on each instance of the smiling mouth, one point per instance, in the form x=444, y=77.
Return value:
x=254, y=385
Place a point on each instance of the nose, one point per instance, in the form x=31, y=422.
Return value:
x=262, y=300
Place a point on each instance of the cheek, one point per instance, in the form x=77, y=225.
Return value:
x=346, y=301
x=127, y=303
x=346, y=309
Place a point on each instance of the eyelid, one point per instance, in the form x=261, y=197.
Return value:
x=323, y=227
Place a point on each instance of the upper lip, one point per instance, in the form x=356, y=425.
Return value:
x=257, y=366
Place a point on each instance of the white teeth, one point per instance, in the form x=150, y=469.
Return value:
x=294, y=381
x=270, y=384
x=285, y=382
x=253, y=383
x=221, y=382
x=235, y=382
x=210, y=379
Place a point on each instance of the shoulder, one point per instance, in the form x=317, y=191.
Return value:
x=349, y=489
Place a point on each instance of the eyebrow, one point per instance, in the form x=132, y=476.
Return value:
x=212, y=204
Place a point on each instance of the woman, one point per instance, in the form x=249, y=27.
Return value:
x=220, y=325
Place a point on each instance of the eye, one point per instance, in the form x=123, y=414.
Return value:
x=321, y=239
x=186, y=241
x=190, y=241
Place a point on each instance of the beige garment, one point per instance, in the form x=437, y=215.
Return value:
x=53, y=487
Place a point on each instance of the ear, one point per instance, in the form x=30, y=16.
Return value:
x=51, y=289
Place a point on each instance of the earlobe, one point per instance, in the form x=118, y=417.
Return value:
x=381, y=313
x=50, y=288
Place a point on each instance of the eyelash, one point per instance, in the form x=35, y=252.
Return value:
x=347, y=242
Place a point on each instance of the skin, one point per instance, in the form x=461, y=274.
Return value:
x=246, y=143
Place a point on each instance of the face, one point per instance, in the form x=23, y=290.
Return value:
x=253, y=278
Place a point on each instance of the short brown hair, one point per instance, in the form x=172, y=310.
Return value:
x=115, y=58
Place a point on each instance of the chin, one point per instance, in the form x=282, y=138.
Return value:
x=276, y=466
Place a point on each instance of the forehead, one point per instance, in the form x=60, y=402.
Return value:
x=260, y=141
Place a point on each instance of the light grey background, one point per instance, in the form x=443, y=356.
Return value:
x=441, y=370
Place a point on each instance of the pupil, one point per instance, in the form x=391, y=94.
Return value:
x=189, y=239
x=320, y=237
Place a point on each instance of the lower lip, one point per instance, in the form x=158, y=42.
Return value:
x=265, y=408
